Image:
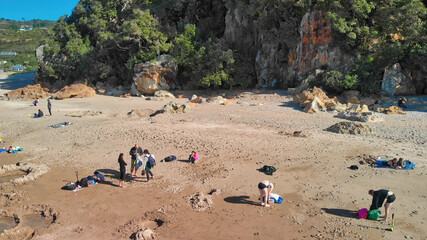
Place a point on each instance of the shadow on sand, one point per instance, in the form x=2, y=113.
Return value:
x=240, y=200
x=341, y=212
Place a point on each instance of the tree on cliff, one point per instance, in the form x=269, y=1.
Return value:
x=378, y=34
x=101, y=41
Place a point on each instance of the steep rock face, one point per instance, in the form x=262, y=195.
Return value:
x=315, y=48
x=150, y=77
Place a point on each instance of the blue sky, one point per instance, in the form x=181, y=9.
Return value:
x=36, y=9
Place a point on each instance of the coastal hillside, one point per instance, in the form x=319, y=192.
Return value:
x=228, y=44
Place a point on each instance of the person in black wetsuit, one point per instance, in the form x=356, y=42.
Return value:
x=122, y=164
x=378, y=198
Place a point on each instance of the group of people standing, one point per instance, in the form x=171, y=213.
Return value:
x=139, y=158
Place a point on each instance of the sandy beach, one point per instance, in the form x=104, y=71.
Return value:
x=321, y=194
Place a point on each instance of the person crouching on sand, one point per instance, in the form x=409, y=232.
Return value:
x=123, y=165
x=378, y=198
x=193, y=158
x=265, y=187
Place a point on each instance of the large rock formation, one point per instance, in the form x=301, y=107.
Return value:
x=78, y=90
x=150, y=77
x=30, y=92
x=307, y=96
x=314, y=50
x=395, y=82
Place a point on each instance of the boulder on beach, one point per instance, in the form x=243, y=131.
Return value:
x=173, y=107
x=360, y=116
x=163, y=94
x=30, y=92
x=307, y=96
x=350, y=128
x=150, y=76
x=394, y=110
x=77, y=90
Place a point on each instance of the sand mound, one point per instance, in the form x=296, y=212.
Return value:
x=142, y=228
x=140, y=113
x=200, y=201
x=30, y=92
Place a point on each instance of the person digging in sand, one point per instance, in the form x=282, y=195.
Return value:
x=265, y=187
x=378, y=198
x=134, y=152
x=123, y=165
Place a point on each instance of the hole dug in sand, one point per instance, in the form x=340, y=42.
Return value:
x=31, y=222
x=7, y=223
x=22, y=173
x=11, y=175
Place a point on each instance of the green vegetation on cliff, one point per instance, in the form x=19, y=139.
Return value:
x=103, y=40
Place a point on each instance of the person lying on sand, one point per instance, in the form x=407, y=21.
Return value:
x=265, y=187
x=378, y=198
x=390, y=163
x=400, y=164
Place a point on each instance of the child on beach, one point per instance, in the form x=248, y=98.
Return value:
x=194, y=157
x=149, y=161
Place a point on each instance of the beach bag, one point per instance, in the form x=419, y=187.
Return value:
x=138, y=162
x=169, y=158
x=268, y=169
x=374, y=214
x=276, y=198
x=151, y=161
x=84, y=182
x=70, y=186
x=363, y=213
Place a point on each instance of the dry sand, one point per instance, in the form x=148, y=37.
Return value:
x=320, y=193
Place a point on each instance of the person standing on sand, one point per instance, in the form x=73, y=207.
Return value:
x=148, y=164
x=378, y=198
x=49, y=106
x=265, y=187
x=134, y=152
x=123, y=165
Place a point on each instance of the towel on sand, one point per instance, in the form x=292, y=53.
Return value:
x=58, y=125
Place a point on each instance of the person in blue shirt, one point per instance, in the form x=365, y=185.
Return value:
x=98, y=177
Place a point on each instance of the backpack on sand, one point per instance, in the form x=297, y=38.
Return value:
x=268, y=169
x=84, y=182
x=374, y=214
x=151, y=161
x=70, y=186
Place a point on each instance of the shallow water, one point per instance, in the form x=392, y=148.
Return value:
x=9, y=176
x=35, y=221
x=6, y=223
